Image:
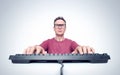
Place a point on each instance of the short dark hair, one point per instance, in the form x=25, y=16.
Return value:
x=59, y=18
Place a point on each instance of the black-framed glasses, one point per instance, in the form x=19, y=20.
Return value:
x=59, y=25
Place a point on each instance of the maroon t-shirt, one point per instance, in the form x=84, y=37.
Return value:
x=59, y=47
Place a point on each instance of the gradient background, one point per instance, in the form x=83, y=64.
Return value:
x=26, y=23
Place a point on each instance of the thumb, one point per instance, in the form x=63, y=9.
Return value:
x=44, y=52
x=74, y=52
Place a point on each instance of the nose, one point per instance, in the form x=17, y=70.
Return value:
x=59, y=27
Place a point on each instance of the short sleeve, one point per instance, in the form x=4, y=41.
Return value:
x=74, y=45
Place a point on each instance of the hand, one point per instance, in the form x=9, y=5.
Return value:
x=35, y=49
x=83, y=50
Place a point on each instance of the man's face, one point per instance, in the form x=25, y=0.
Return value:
x=59, y=27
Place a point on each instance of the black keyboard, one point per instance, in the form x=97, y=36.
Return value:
x=65, y=58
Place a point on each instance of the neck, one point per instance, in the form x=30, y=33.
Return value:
x=59, y=38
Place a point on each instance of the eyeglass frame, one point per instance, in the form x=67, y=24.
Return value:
x=59, y=25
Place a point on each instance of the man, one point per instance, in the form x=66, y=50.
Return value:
x=59, y=44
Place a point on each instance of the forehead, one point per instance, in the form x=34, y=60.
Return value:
x=59, y=22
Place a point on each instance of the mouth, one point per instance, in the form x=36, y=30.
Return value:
x=59, y=31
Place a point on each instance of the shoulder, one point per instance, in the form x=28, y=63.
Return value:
x=68, y=39
x=47, y=41
x=71, y=41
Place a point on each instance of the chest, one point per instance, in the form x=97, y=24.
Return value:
x=59, y=47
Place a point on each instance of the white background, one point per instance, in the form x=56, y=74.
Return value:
x=25, y=23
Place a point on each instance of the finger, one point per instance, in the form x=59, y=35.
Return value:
x=43, y=50
x=28, y=50
x=84, y=49
x=92, y=50
x=32, y=50
x=88, y=49
x=80, y=50
x=38, y=50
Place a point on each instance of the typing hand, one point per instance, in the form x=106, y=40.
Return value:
x=35, y=49
x=83, y=50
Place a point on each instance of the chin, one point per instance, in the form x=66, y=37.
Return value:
x=60, y=34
